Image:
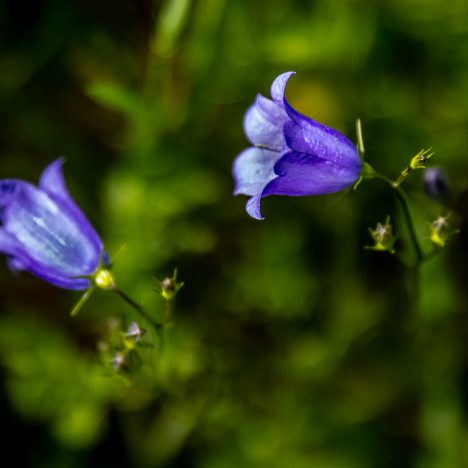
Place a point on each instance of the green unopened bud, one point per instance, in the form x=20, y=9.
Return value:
x=383, y=237
x=417, y=162
x=170, y=287
x=440, y=231
x=132, y=335
x=104, y=279
x=420, y=159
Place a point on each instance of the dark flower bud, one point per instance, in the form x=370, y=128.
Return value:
x=436, y=184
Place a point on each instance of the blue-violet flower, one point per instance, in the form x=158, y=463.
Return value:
x=43, y=231
x=436, y=184
x=291, y=154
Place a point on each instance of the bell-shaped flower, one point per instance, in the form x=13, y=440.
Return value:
x=43, y=231
x=291, y=154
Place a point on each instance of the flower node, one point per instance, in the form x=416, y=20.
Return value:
x=104, y=279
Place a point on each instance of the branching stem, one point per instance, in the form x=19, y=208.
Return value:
x=403, y=199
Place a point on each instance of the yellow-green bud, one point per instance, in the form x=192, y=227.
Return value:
x=383, y=238
x=104, y=279
x=417, y=162
x=170, y=287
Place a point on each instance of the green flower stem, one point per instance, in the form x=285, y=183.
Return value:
x=402, y=176
x=403, y=199
x=158, y=327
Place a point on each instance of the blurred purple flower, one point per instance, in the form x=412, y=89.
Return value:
x=436, y=184
x=291, y=154
x=44, y=232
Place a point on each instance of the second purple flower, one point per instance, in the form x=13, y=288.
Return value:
x=291, y=154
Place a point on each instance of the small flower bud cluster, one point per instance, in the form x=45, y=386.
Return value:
x=117, y=352
x=417, y=162
x=383, y=238
x=440, y=231
x=169, y=287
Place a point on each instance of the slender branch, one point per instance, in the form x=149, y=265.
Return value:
x=138, y=308
x=403, y=199
x=158, y=327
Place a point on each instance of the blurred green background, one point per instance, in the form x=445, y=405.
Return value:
x=291, y=346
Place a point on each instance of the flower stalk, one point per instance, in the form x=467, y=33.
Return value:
x=370, y=173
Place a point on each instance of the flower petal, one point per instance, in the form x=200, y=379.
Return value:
x=53, y=183
x=51, y=237
x=305, y=174
x=253, y=207
x=15, y=265
x=304, y=135
x=263, y=123
x=278, y=86
x=8, y=244
x=8, y=188
x=253, y=169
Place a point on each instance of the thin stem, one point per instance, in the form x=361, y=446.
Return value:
x=403, y=199
x=402, y=176
x=138, y=308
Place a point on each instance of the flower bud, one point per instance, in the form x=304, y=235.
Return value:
x=418, y=161
x=118, y=361
x=436, y=184
x=383, y=238
x=441, y=230
x=170, y=287
x=132, y=335
x=104, y=279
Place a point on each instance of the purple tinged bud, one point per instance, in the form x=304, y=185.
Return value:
x=118, y=361
x=291, y=154
x=436, y=184
x=43, y=231
x=133, y=334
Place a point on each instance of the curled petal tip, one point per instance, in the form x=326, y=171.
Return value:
x=279, y=85
x=253, y=207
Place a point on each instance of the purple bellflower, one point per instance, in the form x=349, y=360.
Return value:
x=291, y=154
x=43, y=231
x=436, y=184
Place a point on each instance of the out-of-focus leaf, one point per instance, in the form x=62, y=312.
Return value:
x=116, y=97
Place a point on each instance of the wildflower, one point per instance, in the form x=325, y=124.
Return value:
x=43, y=231
x=291, y=154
